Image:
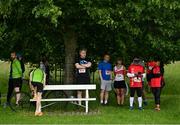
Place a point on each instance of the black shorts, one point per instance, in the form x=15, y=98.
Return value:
x=119, y=84
x=137, y=90
x=17, y=82
x=38, y=85
x=83, y=80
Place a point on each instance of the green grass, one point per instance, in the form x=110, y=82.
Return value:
x=169, y=114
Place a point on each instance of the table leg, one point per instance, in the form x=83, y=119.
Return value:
x=87, y=97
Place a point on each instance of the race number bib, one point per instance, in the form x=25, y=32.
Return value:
x=108, y=72
x=82, y=70
x=120, y=76
x=137, y=79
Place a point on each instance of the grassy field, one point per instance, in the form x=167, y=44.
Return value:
x=169, y=114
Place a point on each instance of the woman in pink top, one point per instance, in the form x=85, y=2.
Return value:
x=119, y=81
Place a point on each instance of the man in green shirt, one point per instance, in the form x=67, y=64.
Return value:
x=15, y=79
x=37, y=83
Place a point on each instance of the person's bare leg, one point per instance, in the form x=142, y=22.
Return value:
x=18, y=95
x=79, y=95
x=35, y=93
x=106, y=97
x=38, y=105
x=39, y=98
x=122, y=96
x=118, y=97
x=102, y=96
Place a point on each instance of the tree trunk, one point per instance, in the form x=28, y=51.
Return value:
x=70, y=42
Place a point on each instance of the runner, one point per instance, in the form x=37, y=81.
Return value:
x=15, y=79
x=37, y=83
x=105, y=73
x=136, y=74
x=82, y=65
x=156, y=80
x=119, y=81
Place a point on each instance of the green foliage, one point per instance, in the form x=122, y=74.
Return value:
x=146, y=28
x=46, y=8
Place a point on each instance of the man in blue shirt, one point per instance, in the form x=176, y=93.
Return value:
x=105, y=73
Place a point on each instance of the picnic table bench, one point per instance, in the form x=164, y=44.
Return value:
x=85, y=88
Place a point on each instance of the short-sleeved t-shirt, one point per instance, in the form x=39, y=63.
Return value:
x=16, y=71
x=83, y=74
x=106, y=69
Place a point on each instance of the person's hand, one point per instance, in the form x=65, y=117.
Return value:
x=135, y=75
x=112, y=80
x=101, y=78
x=32, y=92
x=84, y=65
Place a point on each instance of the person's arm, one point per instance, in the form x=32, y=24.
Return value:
x=30, y=80
x=100, y=74
x=88, y=65
x=111, y=76
x=114, y=73
x=144, y=75
x=125, y=72
x=130, y=75
x=78, y=66
x=100, y=71
x=156, y=75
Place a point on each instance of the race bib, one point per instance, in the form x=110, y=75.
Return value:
x=108, y=72
x=82, y=70
x=137, y=79
x=119, y=76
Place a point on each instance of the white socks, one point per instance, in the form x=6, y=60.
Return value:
x=140, y=101
x=101, y=101
x=131, y=101
x=105, y=102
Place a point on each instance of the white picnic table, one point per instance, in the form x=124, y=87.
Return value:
x=85, y=88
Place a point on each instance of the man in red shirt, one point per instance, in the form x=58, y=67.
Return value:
x=136, y=74
x=156, y=79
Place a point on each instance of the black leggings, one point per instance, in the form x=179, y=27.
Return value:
x=137, y=90
x=157, y=93
x=10, y=90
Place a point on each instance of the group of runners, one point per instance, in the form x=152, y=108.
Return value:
x=108, y=76
x=115, y=77
x=38, y=78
